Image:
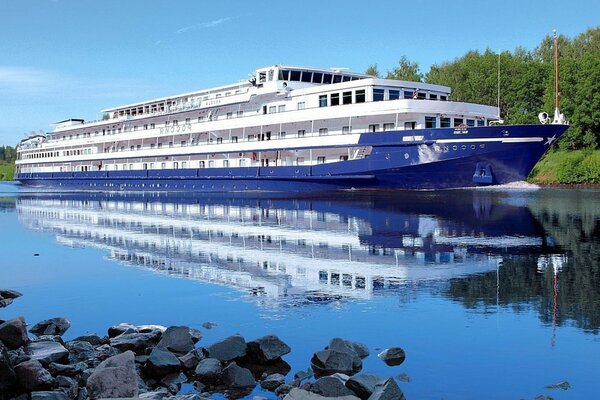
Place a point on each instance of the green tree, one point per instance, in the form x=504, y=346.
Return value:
x=373, y=71
x=406, y=71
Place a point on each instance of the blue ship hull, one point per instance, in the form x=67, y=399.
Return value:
x=431, y=159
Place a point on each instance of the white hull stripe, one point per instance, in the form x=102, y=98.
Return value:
x=501, y=140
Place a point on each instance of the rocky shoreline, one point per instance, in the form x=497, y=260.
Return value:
x=152, y=362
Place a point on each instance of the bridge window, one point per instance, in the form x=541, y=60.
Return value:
x=378, y=94
x=327, y=78
x=337, y=78
x=394, y=94
x=295, y=76
x=335, y=99
x=360, y=96
x=284, y=75
x=347, y=97
x=317, y=77
x=430, y=122
x=433, y=96
x=306, y=76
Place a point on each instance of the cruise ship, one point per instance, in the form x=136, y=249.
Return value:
x=289, y=128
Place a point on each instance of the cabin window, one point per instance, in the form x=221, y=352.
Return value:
x=347, y=97
x=470, y=122
x=343, y=158
x=408, y=94
x=394, y=94
x=151, y=165
x=163, y=165
x=138, y=147
x=175, y=165
x=240, y=114
x=443, y=98
x=250, y=138
x=345, y=130
x=302, y=105
x=317, y=77
x=321, y=160
x=480, y=122
x=160, y=145
x=145, y=126
x=421, y=95
x=151, y=145
x=388, y=127
x=378, y=94
x=432, y=96
x=229, y=115
x=184, y=164
x=272, y=109
x=335, y=99
x=430, y=122
x=410, y=125
x=219, y=140
x=374, y=128
x=130, y=166
x=360, y=96
x=211, y=163
x=301, y=133
x=295, y=76
x=183, y=143
x=234, y=139
x=281, y=108
x=200, y=118
x=282, y=135
x=445, y=122
x=170, y=144
x=322, y=101
x=202, y=164
x=458, y=122
x=242, y=162
x=225, y=163
x=323, y=132
x=326, y=78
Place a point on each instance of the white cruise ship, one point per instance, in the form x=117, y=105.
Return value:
x=288, y=129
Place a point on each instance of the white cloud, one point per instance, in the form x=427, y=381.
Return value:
x=26, y=80
x=203, y=25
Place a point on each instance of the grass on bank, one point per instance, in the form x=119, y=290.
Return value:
x=7, y=171
x=567, y=167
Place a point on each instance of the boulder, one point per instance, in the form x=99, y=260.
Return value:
x=155, y=395
x=105, y=351
x=80, y=351
x=330, y=386
x=47, y=352
x=8, y=378
x=136, y=342
x=13, y=333
x=209, y=325
x=191, y=359
x=301, y=394
x=173, y=382
x=363, y=385
x=5, y=302
x=339, y=344
x=161, y=362
x=392, y=356
x=71, y=370
x=92, y=339
x=208, y=370
x=237, y=377
x=177, y=339
x=120, y=329
x=47, y=395
x=227, y=349
x=387, y=390
x=114, y=377
x=53, y=326
x=49, y=338
x=328, y=362
x=33, y=376
x=265, y=349
x=272, y=382
x=196, y=335
x=9, y=294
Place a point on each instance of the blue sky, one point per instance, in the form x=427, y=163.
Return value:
x=71, y=58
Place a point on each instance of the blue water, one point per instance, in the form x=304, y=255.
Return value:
x=492, y=294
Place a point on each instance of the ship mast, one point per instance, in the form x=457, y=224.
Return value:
x=558, y=117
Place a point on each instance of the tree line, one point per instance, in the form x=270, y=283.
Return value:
x=8, y=154
x=526, y=83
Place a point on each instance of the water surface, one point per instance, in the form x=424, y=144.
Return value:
x=492, y=293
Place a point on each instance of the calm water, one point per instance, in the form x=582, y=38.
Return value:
x=493, y=294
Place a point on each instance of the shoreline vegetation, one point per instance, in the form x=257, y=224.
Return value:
x=526, y=89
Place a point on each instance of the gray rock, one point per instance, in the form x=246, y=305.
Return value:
x=173, y=382
x=209, y=325
x=53, y=326
x=346, y=345
x=177, y=339
x=161, y=362
x=47, y=352
x=114, y=377
x=67, y=370
x=235, y=376
x=13, y=333
x=564, y=385
x=105, y=351
x=387, y=390
x=80, y=351
x=272, y=382
x=83, y=394
x=5, y=302
x=18, y=356
x=284, y=389
x=196, y=335
x=93, y=339
x=47, y=395
x=301, y=394
x=120, y=329
x=8, y=378
x=328, y=362
x=330, y=386
x=65, y=381
x=49, y=338
x=302, y=375
x=227, y=349
x=208, y=370
x=136, y=342
x=267, y=348
x=363, y=385
x=9, y=294
x=392, y=356
x=33, y=376
x=403, y=377
x=191, y=359
x=159, y=394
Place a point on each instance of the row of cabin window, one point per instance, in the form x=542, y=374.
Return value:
x=41, y=155
x=395, y=94
x=447, y=122
x=314, y=77
x=333, y=99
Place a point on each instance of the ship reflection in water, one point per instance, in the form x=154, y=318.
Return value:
x=283, y=250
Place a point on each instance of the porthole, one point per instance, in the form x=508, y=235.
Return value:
x=455, y=147
x=406, y=156
x=472, y=147
x=463, y=147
